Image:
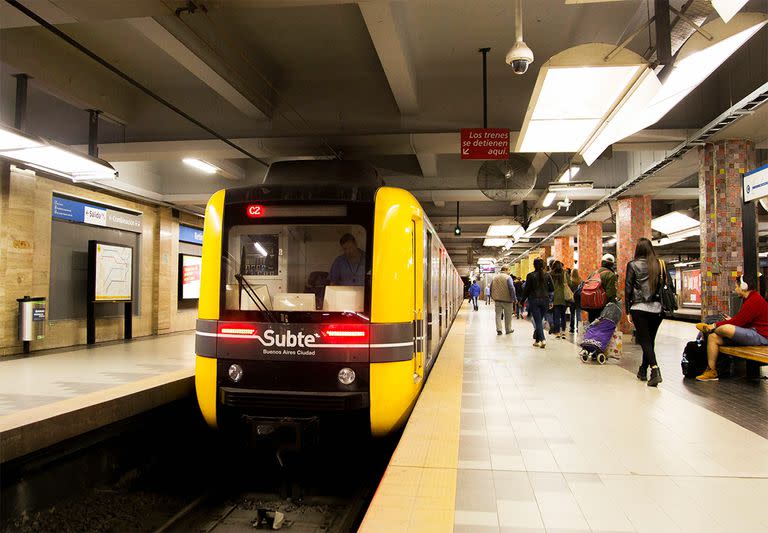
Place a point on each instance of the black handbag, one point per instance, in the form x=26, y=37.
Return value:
x=667, y=293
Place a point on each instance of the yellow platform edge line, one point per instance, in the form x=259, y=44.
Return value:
x=418, y=489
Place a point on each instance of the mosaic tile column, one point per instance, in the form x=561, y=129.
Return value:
x=590, y=247
x=720, y=203
x=633, y=221
x=564, y=251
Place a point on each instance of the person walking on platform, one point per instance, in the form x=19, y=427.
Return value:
x=487, y=293
x=558, y=300
x=642, y=301
x=573, y=282
x=474, y=292
x=519, y=292
x=608, y=280
x=748, y=328
x=538, y=286
x=503, y=294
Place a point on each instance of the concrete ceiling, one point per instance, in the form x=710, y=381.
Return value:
x=391, y=82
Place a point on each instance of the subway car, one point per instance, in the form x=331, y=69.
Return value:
x=322, y=293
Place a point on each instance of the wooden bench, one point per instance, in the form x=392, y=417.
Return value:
x=751, y=353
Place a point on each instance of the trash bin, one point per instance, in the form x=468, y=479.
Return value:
x=31, y=320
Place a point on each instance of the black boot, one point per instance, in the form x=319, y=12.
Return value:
x=655, y=377
x=642, y=373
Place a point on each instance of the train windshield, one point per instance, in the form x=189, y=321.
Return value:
x=296, y=272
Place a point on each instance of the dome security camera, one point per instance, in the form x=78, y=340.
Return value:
x=519, y=57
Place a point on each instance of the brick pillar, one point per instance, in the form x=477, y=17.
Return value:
x=564, y=251
x=590, y=247
x=633, y=221
x=722, y=251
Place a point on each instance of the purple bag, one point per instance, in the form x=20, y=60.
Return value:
x=598, y=336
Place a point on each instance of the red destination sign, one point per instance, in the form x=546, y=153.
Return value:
x=484, y=143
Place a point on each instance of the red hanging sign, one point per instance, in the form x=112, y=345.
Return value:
x=485, y=143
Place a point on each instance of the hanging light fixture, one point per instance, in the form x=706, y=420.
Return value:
x=47, y=156
x=591, y=96
x=728, y=8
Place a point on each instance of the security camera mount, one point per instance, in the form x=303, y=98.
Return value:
x=520, y=55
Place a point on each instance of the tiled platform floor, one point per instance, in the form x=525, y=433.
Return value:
x=546, y=443
x=739, y=399
x=39, y=380
x=550, y=444
x=47, y=398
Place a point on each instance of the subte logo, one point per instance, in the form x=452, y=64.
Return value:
x=289, y=339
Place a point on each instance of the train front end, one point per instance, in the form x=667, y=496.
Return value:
x=284, y=330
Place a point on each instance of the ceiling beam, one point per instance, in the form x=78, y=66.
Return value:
x=387, y=35
x=66, y=73
x=178, y=40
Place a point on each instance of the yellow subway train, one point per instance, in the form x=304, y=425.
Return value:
x=322, y=292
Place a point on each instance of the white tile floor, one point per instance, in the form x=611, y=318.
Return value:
x=41, y=380
x=551, y=444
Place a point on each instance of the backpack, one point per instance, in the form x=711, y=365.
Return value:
x=694, y=360
x=593, y=294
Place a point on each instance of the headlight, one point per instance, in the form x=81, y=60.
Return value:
x=346, y=376
x=235, y=373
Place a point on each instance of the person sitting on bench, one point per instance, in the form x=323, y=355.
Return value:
x=748, y=328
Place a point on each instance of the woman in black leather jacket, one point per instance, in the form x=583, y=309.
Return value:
x=643, y=306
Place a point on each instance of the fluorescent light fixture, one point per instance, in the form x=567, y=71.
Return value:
x=575, y=92
x=47, y=156
x=727, y=8
x=584, y=103
x=260, y=249
x=570, y=185
x=673, y=222
x=569, y=173
x=494, y=243
x=502, y=229
x=485, y=260
x=201, y=165
x=548, y=199
x=681, y=235
x=610, y=242
x=536, y=224
x=700, y=57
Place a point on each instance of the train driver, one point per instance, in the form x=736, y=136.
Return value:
x=349, y=267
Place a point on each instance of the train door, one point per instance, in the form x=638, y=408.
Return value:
x=427, y=319
x=418, y=308
x=434, y=294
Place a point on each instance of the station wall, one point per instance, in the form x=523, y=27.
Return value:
x=25, y=263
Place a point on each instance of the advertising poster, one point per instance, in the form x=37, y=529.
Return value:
x=190, y=277
x=691, y=287
x=114, y=269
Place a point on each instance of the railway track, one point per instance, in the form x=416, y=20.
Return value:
x=158, y=474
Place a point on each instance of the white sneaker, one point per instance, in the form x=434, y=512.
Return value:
x=536, y=344
x=542, y=344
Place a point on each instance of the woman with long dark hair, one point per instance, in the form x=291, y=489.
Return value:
x=643, y=306
x=558, y=300
x=538, y=286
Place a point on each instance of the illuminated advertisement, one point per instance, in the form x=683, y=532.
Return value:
x=690, y=289
x=189, y=276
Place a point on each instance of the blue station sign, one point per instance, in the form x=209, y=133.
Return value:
x=83, y=212
x=190, y=234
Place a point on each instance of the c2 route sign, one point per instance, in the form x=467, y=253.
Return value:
x=485, y=143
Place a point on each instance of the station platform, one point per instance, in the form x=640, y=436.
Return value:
x=507, y=437
x=49, y=397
